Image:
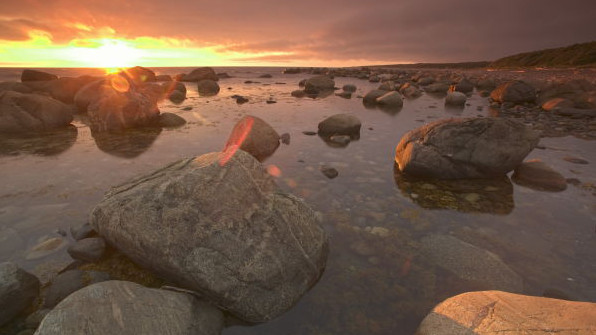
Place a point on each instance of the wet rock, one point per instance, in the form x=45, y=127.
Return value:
x=241, y=100
x=575, y=160
x=390, y=99
x=349, y=88
x=207, y=87
x=45, y=248
x=464, y=86
x=341, y=140
x=171, y=120
x=254, y=136
x=537, y=175
x=83, y=231
x=439, y=88
x=18, y=289
x=495, y=312
x=515, y=92
x=298, y=93
x=345, y=95
x=266, y=75
x=329, y=171
x=425, y=81
x=34, y=319
x=455, y=99
x=465, y=148
x=14, y=86
x=117, y=307
x=177, y=97
x=88, y=249
x=578, y=92
x=285, y=138
x=340, y=124
x=223, y=75
x=128, y=143
x=90, y=93
x=556, y=103
x=138, y=75
x=371, y=97
x=202, y=73
x=228, y=229
x=470, y=262
x=575, y=112
x=21, y=112
x=486, y=84
x=309, y=133
x=411, y=92
x=271, y=101
x=35, y=75
x=68, y=282
x=115, y=110
x=319, y=84
x=294, y=70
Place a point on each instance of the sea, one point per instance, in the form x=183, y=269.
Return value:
x=383, y=273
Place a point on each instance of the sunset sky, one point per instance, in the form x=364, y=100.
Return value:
x=111, y=33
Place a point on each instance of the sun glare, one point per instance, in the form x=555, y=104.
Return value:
x=107, y=53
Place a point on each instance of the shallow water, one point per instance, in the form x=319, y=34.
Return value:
x=377, y=280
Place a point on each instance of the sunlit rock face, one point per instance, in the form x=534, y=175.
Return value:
x=222, y=228
x=495, y=312
x=31, y=112
x=465, y=148
x=515, y=92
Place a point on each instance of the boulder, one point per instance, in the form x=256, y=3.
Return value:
x=90, y=93
x=118, y=307
x=391, y=99
x=464, y=86
x=371, y=97
x=21, y=112
x=537, y=175
x=486, y=84
x=319, y=84
x=163, y=77
x=207, y=87
x=254, y=136
x=495, y=312
x=298, y=93
x=87, y=249
x=465, y=148
x=115, y=111
x=425, y=81
x=171, y=120
x=266, y=75
x=201, y=73
x=411, y=92
x=556, y=103
x=437, y=88
x=65, y=88
x=340, y=124
x=515, y=92
x=218, y=224
x=349, y=88
x=469, y=262
x=68, y=282
x=14, y=86
x=82, y=231
x=34, y=75
x=18, y=289
x=455, y=99
x=138, y=75
x=577, y=91
x=344, y=94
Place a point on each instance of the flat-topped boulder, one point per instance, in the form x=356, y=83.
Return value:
x=319, y=84
x=465, y=148
x=119, y=307
x=200, y=73
x=515, y=92
x=496, y=312
x=218, y=224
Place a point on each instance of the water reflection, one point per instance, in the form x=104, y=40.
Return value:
x=339, y=141
x=128, y=143
x=493, y=196
x=47, y=143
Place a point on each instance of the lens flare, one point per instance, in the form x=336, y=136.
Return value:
x=238, y=136
x=273, y=170
x=119, y=83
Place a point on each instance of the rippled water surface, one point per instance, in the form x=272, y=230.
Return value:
x=379, y=277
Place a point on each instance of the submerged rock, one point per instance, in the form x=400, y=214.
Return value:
x=537, y=175
x=118, y=307
x=495, y=312
x=470, y=262
x=218, y=224
x=18, y=289
x=371, y=97
x=455, y=99
x=340, y=124
x=465, y=148
x=349, y=88
x=20, y=112
x=254, y=136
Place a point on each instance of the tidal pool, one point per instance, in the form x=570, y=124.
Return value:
x=381, y=277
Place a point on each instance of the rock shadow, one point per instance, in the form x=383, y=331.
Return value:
x=45, y=143
x=128, y=143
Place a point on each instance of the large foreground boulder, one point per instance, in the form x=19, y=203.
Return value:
x=495, y=312
x=255, y=136
x=18, y=289
x=118, y=307
x=31, y=112
x=218, y=224
x=465, y=148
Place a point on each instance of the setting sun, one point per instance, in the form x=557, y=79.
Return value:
x=106, y=53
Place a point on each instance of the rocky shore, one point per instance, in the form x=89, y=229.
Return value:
x=212, y=240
